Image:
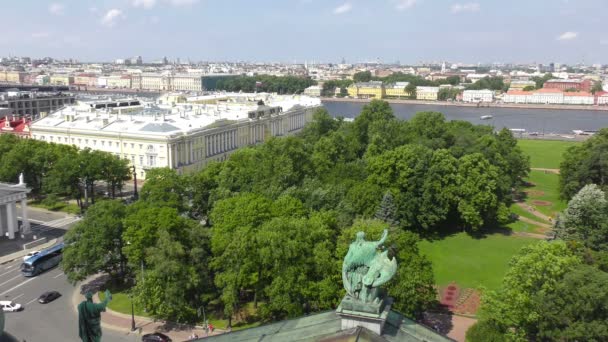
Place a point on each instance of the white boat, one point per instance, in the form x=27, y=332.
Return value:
x=486, y=117
x=581, y=132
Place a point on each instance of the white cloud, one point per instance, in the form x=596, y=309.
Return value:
x=466, y=7
x=567, y=36
x=402, y=5
x=42, y=34
x=343, y=9
x=110, y=18
x=144, y=3
x=56, y=8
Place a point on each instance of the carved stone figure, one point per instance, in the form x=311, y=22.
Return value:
x=366, y=267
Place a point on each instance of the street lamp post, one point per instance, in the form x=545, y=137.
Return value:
x=204, y=317
x=133, y=328
x=135, y=194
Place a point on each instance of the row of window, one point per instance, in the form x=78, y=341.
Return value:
x=79, y=141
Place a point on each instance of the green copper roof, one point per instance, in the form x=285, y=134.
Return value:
x=326, y=327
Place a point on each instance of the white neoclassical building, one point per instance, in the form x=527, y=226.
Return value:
x=179, y=132
x=10, y=194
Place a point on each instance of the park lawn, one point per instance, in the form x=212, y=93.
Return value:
x=472, y=262
x=546, y=189
x=121, y=303
x=525, y=227
x=546, y=154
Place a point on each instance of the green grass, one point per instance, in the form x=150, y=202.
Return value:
x=69, y=208
x=548, y=183
x=121, y=303
x=472, y=262
x=546, y=154
x=523, y=227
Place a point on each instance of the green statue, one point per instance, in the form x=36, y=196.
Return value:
x=366, y=267
x=89, y=317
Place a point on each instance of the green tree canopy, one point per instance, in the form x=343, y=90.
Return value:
x=362, y=76
x=584, y=164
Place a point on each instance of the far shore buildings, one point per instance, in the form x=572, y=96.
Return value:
x=578, y=85
x=477, y=96
x=427, y=93
x=179, y=132
x=549, y=96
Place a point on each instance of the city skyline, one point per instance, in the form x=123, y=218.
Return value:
x=309, y=30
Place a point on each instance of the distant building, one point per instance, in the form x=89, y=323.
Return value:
x=581, y=85
x=12, y=124
x=119, y=81
x=520, y=85
x=427, y=93
x=182, y=135
x=367, y=90
x=86, y=80
x=601, y=98
x=12, y=76
x=549, y=96
x=34, y=103
x=314, y=91
x=396, y=90
x=62, y=79
x=477, y=96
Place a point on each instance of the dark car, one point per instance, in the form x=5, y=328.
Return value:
x=155, y=337
x=48, y=297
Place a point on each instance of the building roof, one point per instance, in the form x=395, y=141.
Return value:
x=326, y=327
x=160, y=120
x=578, y=93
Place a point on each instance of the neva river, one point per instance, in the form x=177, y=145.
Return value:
x=545, y=121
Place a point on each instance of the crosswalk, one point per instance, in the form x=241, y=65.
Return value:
x=58, y=223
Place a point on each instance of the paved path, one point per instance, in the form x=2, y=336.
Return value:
x=533, y=211
x=556, y=171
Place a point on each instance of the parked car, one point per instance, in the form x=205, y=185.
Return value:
x=30, y=254
x=48, y=297
x=155, y=337
x=9, y=306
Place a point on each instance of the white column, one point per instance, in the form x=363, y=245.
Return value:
x=24, y=218
x=12, y=219
x=3, y=209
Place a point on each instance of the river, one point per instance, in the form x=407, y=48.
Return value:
x=544, y=121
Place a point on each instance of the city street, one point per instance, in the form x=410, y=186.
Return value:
x=55, y=321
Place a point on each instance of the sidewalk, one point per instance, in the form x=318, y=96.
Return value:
x=122, y=322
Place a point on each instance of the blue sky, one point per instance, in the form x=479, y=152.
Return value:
x=566, y=31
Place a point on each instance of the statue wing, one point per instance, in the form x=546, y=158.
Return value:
x=387, y=270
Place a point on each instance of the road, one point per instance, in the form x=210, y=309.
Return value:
x=56, y=321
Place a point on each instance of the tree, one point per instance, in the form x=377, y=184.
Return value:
x=387, y=211
x=362, y=76
x=95, y=243
x=529, y=88
x=375, y=111
x=586, y=219
x=412, y=294
x=411, y=89
x=578, y=308
x=164, y=188
x=478, y=202
x=597, y=87
x=540, y=81
x=585, y=164
x=538, y=268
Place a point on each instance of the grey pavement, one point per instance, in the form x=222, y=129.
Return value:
x=44, y=223
x=56, y=321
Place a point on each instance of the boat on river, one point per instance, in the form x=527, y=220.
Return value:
x=486, y=117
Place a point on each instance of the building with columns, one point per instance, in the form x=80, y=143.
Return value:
x=10, y=194
x=184, y=134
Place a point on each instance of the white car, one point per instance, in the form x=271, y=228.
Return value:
x=9, y=306
x=30, y=254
